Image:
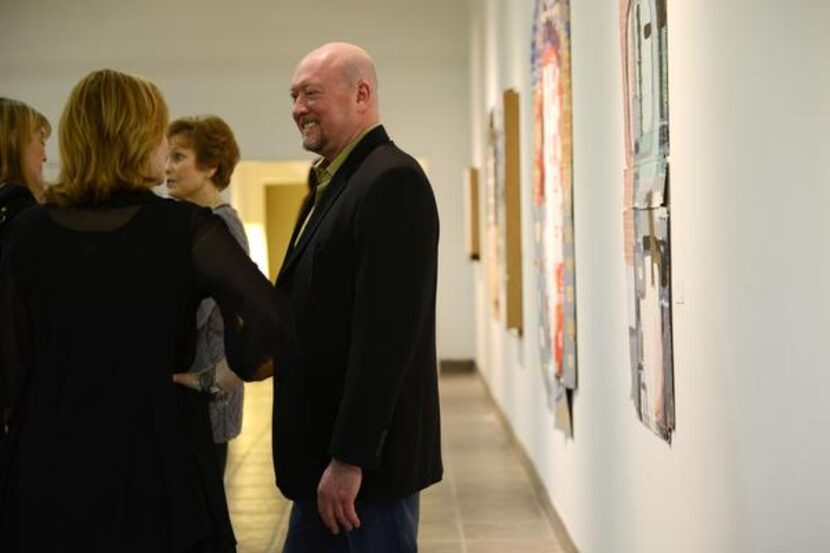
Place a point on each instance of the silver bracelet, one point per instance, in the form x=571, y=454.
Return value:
x=208, y=385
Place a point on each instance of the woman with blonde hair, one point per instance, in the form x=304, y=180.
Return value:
x=23, y=134
x=107, y=453
x=203, y=154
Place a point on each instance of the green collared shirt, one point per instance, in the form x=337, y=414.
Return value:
x=325, y=173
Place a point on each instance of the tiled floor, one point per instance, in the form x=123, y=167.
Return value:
x=486, y=503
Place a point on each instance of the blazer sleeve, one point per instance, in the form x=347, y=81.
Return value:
x=396, y=240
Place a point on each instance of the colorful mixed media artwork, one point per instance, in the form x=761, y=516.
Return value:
x=646, y=213
x=494, y=211
x=503, y=213
x=553, y=205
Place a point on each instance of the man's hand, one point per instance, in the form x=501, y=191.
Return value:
x=336, y=494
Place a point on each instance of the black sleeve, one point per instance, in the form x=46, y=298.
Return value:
x=16, y=346
x=396, y=237
x=258, y=321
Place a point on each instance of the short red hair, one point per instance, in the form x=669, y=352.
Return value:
x=212, y=140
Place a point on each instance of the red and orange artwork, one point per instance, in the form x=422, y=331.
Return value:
x=553, y=205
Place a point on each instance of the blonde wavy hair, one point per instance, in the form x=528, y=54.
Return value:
x=111, y=125
x=19, y=122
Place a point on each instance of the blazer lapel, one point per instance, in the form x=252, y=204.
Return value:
x=373, y=139
x=305, y=207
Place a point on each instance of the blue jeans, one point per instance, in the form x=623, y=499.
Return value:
x=385, y=526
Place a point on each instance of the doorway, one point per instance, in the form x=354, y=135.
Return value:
x=267, y=195
x=282, y=204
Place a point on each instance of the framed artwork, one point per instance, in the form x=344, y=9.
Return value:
x=503, y=213
x=512, y=213
x=494, y=211
x=553, y=205
x=472, y=238
x=647, y=214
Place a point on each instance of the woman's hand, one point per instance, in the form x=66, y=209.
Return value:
x=188, y=380
x=226, y=379
x=217, y=381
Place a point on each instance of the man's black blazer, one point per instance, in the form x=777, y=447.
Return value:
x=362, y=279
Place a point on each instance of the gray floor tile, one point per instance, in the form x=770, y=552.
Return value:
x=514, y=546
x=441, y=547
x=443, y=529
x=507, y=508
x=504, y=530
x=485, y=504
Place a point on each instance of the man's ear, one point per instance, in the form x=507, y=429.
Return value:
x=364, y=95
x=211, y=171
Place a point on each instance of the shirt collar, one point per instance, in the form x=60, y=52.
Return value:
x=325, y=173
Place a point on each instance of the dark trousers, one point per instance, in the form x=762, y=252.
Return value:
x=388, y=526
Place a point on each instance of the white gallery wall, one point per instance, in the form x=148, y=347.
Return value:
x=235, y=59
x=747, y=470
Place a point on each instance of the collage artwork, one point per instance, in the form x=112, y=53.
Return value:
x=646, y=210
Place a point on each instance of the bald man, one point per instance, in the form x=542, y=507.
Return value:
x=356, y=420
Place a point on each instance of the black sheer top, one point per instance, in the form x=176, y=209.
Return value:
x=14, y=198
x=97, y=311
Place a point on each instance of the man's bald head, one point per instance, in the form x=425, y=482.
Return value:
x=352, y=61
x=335, y=97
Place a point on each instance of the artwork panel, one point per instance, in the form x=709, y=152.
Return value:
x=632, y=305
x=650, y=184
x=644, y=40
x=471, y=212
x=514, y=316
x=652, y=315
x=645, y=84
x=564, y=413
x=553, y=197
x=662, y=235
x=492, y=215
x=628, y=188
x=497, y=168
x=646, y=80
